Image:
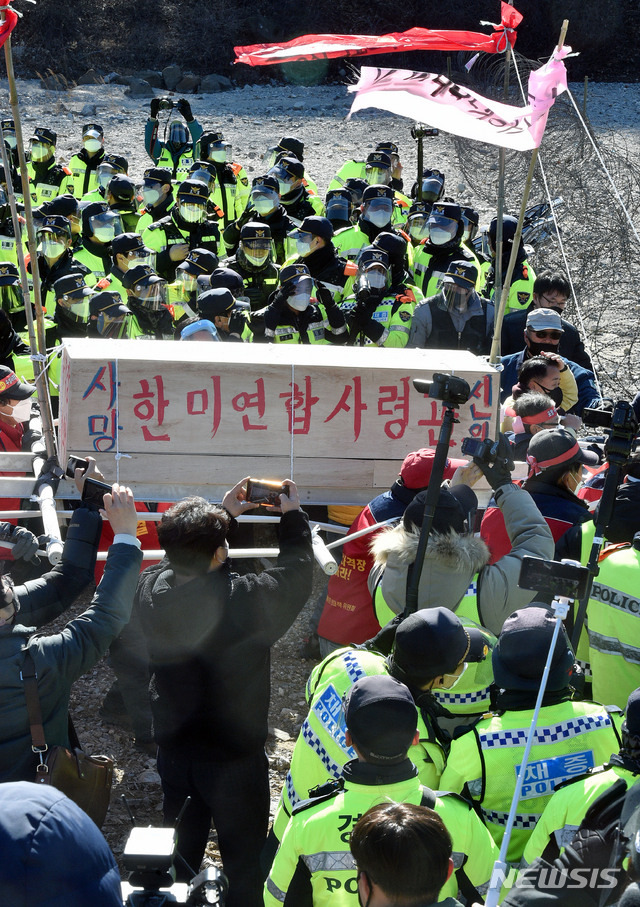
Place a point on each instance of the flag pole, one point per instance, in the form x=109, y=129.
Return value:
x=494, y=357
x=37, y=338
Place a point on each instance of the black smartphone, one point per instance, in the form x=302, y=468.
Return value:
x=93, y=492
x=74, y=463
x=553, y=577
x=261, y=491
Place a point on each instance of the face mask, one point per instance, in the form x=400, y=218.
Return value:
x=193, y=214
x=299, y=301
x=555, y=394
x=11, y=141
x=150, y=195
x=264, y=204
x=40, y=152
x=374, y=280
x=377, y=177
x=255, y=257
x=452, y=680
x=52, y=248
x=187, y=281
x=21, y=411
x=303, y=248
x=105, y=233
x=379, y=217
x=536, y=348
x=438, y=236
x=92, y=145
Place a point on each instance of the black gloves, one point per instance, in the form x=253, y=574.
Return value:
x=154, y=107
x=49, y=475
x=25, y=544
x=324, y=296
x=499, y=471
x=184, y=107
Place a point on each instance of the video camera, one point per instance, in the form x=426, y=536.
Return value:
x=450, y=389
x=149, y=854
x=420, y=131
x=620, y=425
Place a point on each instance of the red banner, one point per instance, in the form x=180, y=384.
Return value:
x=9, y=23
x=319, y=47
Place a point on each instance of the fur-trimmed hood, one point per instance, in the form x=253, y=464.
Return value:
x=451, y=562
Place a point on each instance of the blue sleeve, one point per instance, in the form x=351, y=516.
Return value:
x=587, y=391
x=153, y=147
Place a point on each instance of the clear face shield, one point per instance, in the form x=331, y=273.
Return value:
x=470, y=229
x=338, y=208
x=418, y=226
x=142, y=256
x=76, y=307
x=11, y=298
x=151, y=192
x=178, y=134
x=431, y=189
x=203, y=176
x=378, y=211
x=264, y=200
x=41, y=151
x=219, y=152
x=10, y=138
x=377, y=176
x=285, y=180
x=52, y=245
x=113, y=327
x=456, y=298
x=270, y=155
x=193, y=212
x=105, y=226
x=373, y=277
x=104, y=172
x=442, y=230
x=256, y=251
x=186, y=281
x=151, y=295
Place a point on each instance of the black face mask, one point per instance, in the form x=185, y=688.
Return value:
x=555, y=394
x=536, y=348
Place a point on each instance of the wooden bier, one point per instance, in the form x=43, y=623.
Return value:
x=172, y=418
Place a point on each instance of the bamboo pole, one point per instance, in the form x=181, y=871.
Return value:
x=36, y=337
x=499, y=316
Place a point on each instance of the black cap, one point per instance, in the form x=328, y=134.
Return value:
x=92, y=127
x=11, y=386
x=447, y=209
x=199, y=261
x=521, y=652
x=292, y=144
x=293, y=272
x=56, y=223
x=141, y=274
x=393, y=244
x=255, y=230
x=193, y=189
x=316, y=225
x=126, y=242
x=432, y=642
x=71, y=285
x=42, y=134
x=292, y=166
x=382, y=717
x=372, y=192
x=462, y=273
x=9, y=275
x=108, y=302
x=371, y=256
x=218, y=301
x=379, y=159
x=266, y=182
x=452, y=510
x=117, y=161
x=388, y=147
x=161, y=174
x=66, y=205
x=121, y=187
x=228, y=278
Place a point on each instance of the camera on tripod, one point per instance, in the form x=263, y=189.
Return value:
x=149, y=855
x=620, y=424
x=420, y=131
x=450, y=389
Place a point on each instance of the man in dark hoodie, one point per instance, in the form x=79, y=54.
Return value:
x=209, y=633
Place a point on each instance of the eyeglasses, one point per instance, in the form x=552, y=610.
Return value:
x=546, y=335
x=560, y=303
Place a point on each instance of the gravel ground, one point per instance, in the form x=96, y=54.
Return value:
x=252, y=119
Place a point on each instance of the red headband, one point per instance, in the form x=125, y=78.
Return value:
x=538, y=465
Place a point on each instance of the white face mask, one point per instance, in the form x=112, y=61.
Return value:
x=92, y=145
x=299, y=301
x=193, y=213
x=265, y=204
x=21, y=411
x=255, y=257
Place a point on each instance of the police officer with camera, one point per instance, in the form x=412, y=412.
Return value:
x=177, y=150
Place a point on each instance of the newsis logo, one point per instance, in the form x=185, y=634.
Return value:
x=549, y=878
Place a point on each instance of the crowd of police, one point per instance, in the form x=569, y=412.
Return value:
x=439, y=700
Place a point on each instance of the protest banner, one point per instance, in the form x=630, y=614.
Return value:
x=173, y=419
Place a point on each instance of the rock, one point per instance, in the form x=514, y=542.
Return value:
x=188, y=83
x=171, y=75
x=213, y=82
x=90, y=77
x=89, y=110
x=111, y=77
x=281, y=735
x=149, y=777
x=55, y=83
x=138, y=88
x=152, y=76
